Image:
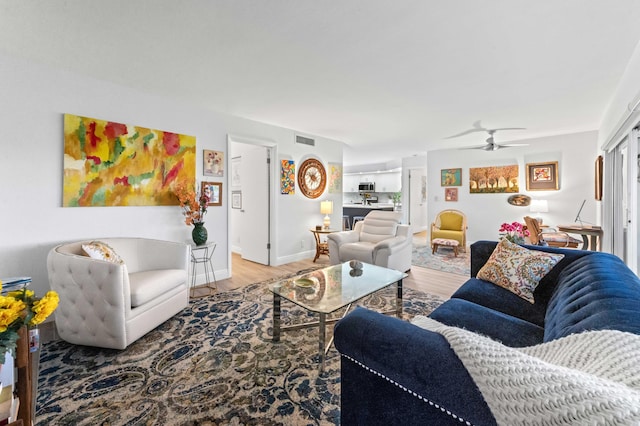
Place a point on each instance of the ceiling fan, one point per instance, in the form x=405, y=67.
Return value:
x=491, y=145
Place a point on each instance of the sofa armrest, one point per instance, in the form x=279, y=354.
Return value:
x=392, y=244
x=344, y=237
x=394, y=372
x=94, y=295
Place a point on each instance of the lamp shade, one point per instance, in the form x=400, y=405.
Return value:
x=539, y=206
x=326, y=207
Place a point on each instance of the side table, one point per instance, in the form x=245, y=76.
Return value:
x=202, y=254
x=322, y=247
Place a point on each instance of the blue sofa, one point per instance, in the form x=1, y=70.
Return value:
x=393, y=372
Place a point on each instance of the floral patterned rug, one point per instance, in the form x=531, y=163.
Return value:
x=213, y=364
x=443, y=260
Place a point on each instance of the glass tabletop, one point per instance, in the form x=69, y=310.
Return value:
x=328, y=289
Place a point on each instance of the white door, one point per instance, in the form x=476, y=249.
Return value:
x=418, y=199
x=254, y=222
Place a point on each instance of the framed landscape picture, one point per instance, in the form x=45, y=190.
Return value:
x=451, y=177
x=493, y=179
x=542, y=176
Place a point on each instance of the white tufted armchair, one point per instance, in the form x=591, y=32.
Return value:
x=380, y=239
x=112, y=305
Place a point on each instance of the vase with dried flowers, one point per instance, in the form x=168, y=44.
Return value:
x=194, y=208
x=513, y=232
x=21, y=308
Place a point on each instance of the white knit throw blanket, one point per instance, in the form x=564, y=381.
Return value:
x=591, y=378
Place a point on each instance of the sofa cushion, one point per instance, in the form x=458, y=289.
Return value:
x=595, y=292
x=502, y=300
x=509, y=330
x=518, y=269
x=448, y=235
x=451, y=221
x=102, y=251
x=147, y=285
x=376, y=230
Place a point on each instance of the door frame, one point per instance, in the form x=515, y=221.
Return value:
x=425, y=225
x=272, y=152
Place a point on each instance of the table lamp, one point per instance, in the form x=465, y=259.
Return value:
x=326, y=208
x=539, y=206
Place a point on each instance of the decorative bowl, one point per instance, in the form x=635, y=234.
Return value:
x=303, y=282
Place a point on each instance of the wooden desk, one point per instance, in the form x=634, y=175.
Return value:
x=588, y=232
x=322, y=247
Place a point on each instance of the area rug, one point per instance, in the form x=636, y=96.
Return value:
x=442, y=260
x=213, y=364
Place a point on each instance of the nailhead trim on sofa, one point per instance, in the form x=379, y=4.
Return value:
x=409, y=391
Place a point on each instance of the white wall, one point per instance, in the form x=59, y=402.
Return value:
x=32, y=221
x=626, y=95
x=576, y=154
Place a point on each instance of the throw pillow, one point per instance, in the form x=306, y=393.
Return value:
x=451, y=221
x=102, y=251
x=518, y=269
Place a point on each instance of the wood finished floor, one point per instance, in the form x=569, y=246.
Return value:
x=244, y=272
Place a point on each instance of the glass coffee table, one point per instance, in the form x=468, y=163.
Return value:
x=327, y=290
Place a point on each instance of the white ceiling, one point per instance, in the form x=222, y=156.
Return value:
x=396, y=77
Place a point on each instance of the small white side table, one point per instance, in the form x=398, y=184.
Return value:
x=202, y=254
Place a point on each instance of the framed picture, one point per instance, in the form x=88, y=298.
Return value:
x=214, y=191
x=494, y=179
x=235, y=172
x=542, y=176
x=236, y=199
x=598, y=191
x=287, y=177
x=212, y=163
x=451, y=194
x=451, y=177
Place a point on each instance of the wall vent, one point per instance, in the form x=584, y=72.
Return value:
x=305, y=141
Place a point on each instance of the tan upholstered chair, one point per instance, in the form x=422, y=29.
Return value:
x=380, y=239
x=111, y=305
x=548, y=236
x=451, y=225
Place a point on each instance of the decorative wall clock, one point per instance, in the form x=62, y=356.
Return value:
x=312, y=178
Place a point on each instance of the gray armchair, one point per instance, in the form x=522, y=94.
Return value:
x=380, y=239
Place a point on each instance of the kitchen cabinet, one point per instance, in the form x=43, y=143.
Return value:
x=385, y=182
x=389, y=182
x=350, y=183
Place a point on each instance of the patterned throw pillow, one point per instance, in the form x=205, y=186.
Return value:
x=102, y=251
x=518, y=269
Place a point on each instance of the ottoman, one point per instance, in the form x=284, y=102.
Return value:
x=437, y=242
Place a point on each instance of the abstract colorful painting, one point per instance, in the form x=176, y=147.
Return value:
x=114, y=164
x=493, y=180
x=287, y=177
x=335, y=178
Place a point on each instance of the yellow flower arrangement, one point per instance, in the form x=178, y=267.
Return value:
x=20, y=308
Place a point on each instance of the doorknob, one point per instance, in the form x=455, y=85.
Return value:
x=241, y=210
